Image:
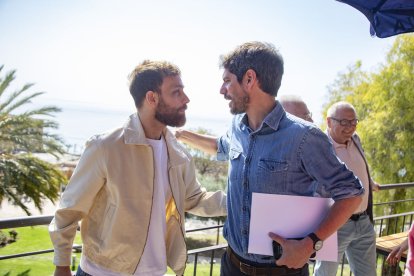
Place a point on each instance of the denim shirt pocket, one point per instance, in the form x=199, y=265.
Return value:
x=236, y=164
x=272, y=175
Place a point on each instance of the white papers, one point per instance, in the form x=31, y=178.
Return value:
x=289, y=217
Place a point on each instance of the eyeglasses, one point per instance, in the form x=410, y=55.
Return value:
x=345, y=122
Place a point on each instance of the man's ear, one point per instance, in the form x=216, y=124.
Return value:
x=151, y=98
x=328, y=122
x=249, y=78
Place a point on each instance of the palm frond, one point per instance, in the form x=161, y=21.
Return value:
x=12, y=102
x=26, y=178
x=7, y=80
x=22, y=176
x=44, y=111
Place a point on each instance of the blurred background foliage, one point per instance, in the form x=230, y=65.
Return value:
x=384, y=101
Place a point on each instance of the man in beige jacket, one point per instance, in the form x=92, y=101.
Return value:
x=132, y=186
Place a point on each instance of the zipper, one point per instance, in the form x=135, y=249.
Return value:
x=152, y=202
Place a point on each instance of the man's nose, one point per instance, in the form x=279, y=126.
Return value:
x=223, y=90
x=186, y=100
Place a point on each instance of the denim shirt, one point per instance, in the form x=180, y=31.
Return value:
x=285, y=155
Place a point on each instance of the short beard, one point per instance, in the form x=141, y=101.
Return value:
x=240, y=105
x=169, y=116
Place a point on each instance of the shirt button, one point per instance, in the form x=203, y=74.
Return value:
x=245, y=232
x=244, y=208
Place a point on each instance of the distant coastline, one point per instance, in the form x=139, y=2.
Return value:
x=78, y=123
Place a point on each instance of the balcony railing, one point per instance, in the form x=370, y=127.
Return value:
x=384, y=225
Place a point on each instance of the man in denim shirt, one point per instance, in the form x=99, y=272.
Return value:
x=270, y=151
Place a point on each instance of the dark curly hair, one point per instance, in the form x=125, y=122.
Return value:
x=261, y=57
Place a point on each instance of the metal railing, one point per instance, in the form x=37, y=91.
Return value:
x=384, y=225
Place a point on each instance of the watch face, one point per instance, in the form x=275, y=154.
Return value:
x=318, y=245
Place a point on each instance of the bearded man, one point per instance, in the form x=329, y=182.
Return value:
x=132, y=186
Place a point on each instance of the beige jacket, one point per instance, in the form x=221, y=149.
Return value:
x=111, y=193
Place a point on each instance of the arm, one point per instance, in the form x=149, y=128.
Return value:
x=334, y=181
x=339, y=213
x=75, y=203
x=198, y=141
x=395, y=255
x=296, y=253
x=62, y=271
x=198, y=201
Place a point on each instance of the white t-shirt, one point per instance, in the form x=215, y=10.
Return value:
x=154, y=259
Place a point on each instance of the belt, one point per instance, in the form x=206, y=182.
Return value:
x=249, y=269
x=356, y=217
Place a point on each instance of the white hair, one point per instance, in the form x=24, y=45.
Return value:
x=290, y=99
x=333, y=109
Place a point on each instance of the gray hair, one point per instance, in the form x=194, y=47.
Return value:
x=289, y=99
x=333, y=109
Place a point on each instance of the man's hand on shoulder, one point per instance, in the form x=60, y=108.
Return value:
x=62, y=271
x=296, y=253
x=375, y=187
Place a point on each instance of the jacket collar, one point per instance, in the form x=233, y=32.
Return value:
x=134, y=135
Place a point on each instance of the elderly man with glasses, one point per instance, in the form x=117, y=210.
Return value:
x=356, y=238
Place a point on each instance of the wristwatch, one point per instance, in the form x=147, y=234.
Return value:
x=317, y=242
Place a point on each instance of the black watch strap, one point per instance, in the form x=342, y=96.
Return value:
x=317, y=242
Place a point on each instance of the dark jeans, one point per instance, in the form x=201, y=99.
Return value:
x=80, y=272
x=229, y=269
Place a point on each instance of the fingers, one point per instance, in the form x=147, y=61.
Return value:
x=394, y=257
x=281, y=241
x=391, y=260
x=177, y=132
x=277, y=238
x=391, y=256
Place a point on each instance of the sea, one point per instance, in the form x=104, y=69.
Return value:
x=78, y=123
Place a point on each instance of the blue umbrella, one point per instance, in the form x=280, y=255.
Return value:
x=387, y=17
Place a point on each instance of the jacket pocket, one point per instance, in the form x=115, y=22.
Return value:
x=176, y=246
x=107, y=224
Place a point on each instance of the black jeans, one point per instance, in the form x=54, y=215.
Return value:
x=229, y=269
x=80, y=272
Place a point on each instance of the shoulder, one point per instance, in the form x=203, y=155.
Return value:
x=356, y=138
x=181, y=149
x=299, y=126
x=175, y=147
x=105, y=141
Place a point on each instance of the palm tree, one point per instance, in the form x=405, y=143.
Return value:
x=24, y=177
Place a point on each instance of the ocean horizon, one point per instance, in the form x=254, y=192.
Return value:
x=78, y=124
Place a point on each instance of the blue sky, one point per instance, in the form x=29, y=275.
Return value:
x=80, y=52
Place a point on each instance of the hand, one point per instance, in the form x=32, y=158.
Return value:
x=178, y=132
x=62, y=271
x=375, y=187
x=395, y=255
x=296, y=253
